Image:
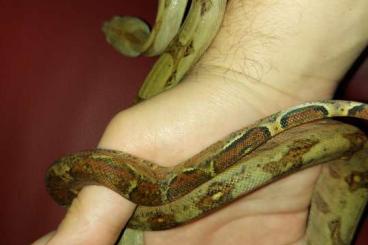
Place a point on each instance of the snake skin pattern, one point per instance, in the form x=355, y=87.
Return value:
x=241, y=163
x=147, y=184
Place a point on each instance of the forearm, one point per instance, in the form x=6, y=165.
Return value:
x=299, y=47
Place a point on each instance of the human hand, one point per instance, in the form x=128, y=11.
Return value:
x=268, y=55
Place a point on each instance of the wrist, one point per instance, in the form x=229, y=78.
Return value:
x=301, y=48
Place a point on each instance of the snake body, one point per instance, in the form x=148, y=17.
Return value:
x=183, y=50
x=242, y=162
x=162, y=191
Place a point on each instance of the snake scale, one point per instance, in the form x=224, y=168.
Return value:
x=241, y=163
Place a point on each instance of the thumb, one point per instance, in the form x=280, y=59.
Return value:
x=96, y=216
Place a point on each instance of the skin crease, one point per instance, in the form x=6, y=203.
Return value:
x=268, y=56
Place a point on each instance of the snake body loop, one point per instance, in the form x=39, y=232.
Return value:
x=184, y=45
x=242, y=162
x=132, y=37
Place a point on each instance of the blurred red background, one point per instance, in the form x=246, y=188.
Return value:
x=60, y=84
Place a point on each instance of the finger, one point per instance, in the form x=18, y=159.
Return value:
x=96, y=216
x=43, y=240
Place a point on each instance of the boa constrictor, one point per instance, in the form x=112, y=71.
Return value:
x=244, y=161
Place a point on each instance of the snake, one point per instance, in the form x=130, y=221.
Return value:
x=244, y=161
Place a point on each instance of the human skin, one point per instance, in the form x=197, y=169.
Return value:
x=268, y=56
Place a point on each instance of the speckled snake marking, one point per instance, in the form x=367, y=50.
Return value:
x=244, y=161
x=168, y=197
